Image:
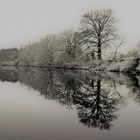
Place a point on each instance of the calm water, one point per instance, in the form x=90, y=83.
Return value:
x=40, y=104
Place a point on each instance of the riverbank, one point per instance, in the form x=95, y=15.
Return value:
x=124, y=66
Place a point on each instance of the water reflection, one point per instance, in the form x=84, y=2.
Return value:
x=96, y=106
x=95, y=96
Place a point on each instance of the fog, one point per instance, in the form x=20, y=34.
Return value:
x=26, y=21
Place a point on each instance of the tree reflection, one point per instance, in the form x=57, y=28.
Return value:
x=96, y=104
x=135, y=90
x=8, y=75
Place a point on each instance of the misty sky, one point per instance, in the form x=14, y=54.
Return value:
x=23, y=21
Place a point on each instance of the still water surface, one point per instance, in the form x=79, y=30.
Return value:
x=40, y=104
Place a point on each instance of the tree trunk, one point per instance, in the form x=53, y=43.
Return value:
x=92, y=54
x=73, y=54
x=98, y=95
x=99, y=48
x=99, y=53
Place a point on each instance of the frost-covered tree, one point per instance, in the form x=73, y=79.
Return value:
x=99, y=30
x=70, y=42
x=135, y=52
x=48, y=45
x=39, y=53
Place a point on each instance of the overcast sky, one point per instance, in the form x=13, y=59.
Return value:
x=23, y=21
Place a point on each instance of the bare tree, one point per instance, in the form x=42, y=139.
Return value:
x=48, y=45
x=122, y=41
x=99, y=30
x=70, y=42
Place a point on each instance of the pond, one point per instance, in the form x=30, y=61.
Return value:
x=46, y=104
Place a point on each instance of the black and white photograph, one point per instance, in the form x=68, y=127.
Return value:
x=69, y=70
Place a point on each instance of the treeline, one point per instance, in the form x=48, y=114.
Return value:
x=96, y=32
x=9, y=56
